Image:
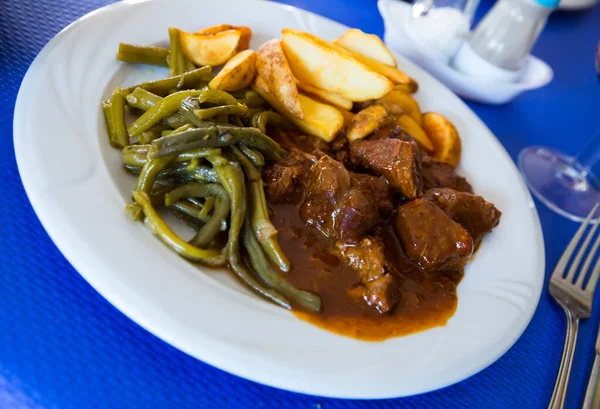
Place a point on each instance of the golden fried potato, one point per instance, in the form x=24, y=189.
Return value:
x=412, y=128
x=368, y=45
x=214, y=29
x=348, y=117
x=272, y=65
x=319, y=119
x=400, y=102
x=324, y=65
x=330, y=97
x=211, y=49
x=410, y=88
x=444, y=136
x=244, y=40
x=367, y=121
x=238, y=73
x=392, y=73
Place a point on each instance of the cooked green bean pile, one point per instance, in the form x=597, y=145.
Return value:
x=199, y=153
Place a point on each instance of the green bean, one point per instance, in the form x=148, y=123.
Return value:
x=189, y=66
x=182, y=128
x=136, y=155
x=192, y=208
x=134, y=212
x=222, y=206
x=114, y=115
x=166, y=132
x=177, y=61
x=176, y=120
x=184, y=81
x=167, y=106
x=236, y=121
x=158, y=193
x=189, y=210
x=197, y=153
x=208, y=113
x=178, y=172
x=209, y=204
x=188, y=105
x=151, y=134
x=142, y=99
x=265, y=118
x=216, y=136
x=187, y=213
x=264, y=230
x=159, y=228
x=255, y=156
x=252, y=99
x=217, y=97
x=305, y=299
x=150, y=172
x=142, y=55
x=232, y=178
x=200, y=173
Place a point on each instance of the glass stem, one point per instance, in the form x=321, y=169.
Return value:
x=588, y=160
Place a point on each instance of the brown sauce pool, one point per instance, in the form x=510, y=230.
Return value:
x=428, y=299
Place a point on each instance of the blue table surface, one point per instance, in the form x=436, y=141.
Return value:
x=63, y=346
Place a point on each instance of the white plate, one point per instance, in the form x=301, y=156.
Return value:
x=77, y=188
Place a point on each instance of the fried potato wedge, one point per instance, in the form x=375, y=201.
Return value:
x=392, y=73
x=237, y=73
x=412, y=128
x=210, y=49
x=367, y=121
x=409, y=88
x=368, y=45
x=273, y=67
x=327, y=96
x=319, y=119
x=444, y=136
x=244, y=39
x=400, y=102
x=324, y=65
x=348, y=117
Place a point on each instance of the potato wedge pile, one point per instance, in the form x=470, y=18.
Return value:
x=350, y=86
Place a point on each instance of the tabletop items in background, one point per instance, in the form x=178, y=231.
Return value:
x=567, y=185
x=491, y=64
x=574, y=291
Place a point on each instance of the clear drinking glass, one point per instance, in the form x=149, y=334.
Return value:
x=568, y=185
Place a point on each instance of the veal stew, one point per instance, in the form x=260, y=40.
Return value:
x=378, y=229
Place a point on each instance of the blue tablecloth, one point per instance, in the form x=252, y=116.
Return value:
x=64, y=346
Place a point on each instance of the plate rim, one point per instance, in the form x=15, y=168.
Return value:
x=62, y=242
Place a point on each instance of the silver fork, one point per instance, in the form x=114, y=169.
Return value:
x=575, y=297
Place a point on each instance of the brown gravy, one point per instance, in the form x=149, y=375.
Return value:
x=428, y=299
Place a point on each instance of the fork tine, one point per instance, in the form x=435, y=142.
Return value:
x=564, y=259
x=591, y=285
x=588, y=262
x=575, y=264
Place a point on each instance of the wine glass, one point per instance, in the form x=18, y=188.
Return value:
x=567, y=185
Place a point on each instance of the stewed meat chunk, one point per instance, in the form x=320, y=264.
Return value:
x=473, y=212
x=368, y=259
x=394, y=159
x=440, y=174
x=431, y=238
x=337, y=204
x=284, y=180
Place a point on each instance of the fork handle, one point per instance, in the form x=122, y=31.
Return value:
x=592, y=394
x=562, y=380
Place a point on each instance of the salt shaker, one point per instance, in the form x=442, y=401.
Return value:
x=442, y=24
x=500, y=45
